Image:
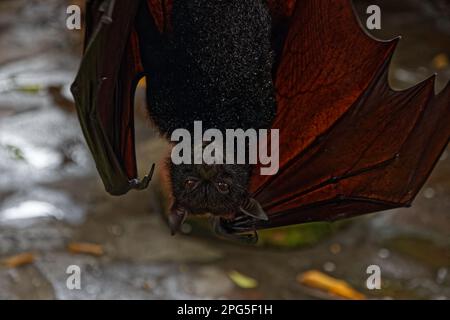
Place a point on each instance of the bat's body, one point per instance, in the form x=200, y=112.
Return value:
x=215, y=66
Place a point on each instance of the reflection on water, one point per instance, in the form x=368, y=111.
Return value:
x=40, y=203
x=29, y=210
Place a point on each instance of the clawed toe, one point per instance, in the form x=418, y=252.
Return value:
x=232, y=232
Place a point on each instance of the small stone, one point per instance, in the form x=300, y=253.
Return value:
x=186, y=228
x=329, y=266
x=335, y=248
x=116, y=230
x=429, y=193
x=384, y=253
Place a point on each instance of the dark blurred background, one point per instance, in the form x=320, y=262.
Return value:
x=55, y=213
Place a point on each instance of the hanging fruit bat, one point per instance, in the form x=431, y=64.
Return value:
x=349, y=144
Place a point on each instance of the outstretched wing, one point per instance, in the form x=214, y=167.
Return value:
x=104, y=89
x=349, y=144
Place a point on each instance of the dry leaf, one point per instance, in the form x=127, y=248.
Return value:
x=319, y=280
x=60, y=100
x=86, y=248
x=242, y=281
x=18, y=260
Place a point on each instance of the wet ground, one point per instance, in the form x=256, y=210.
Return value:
x=50, y=194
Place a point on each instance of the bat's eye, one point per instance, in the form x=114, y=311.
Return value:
x=190, y=184
x=223, y=187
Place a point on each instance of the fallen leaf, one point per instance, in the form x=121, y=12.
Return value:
x=319, y=280
x=242, y=281
x=31, y=89
x=15, y=152
x=86, y=248
x=18, y=260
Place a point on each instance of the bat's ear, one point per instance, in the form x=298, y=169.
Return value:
x=177, y=216
x=253, y=209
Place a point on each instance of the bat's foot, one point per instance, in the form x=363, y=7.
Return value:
x=229, y=232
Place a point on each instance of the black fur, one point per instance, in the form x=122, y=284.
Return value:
x=215, y=66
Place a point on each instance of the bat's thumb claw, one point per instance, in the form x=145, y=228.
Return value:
x=177, y=216
x=253, y=209
x=143, y=184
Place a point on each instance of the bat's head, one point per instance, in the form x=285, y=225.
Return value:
x=218, y=190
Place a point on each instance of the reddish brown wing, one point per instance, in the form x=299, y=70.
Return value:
x=161, y=11
x=104, y=89
x=349, y=144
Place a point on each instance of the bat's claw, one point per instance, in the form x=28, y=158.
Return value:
x=241, y=222
x=233, y=234
x=137, y=184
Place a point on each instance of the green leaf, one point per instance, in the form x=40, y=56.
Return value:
x=242, y=281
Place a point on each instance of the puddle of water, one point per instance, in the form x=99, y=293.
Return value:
x=41, y=146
